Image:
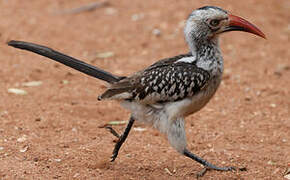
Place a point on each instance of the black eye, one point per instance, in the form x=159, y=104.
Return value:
x=214, y=22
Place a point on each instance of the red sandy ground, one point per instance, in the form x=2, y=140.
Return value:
x=246, y=124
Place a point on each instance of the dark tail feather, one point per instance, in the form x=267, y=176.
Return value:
x=66, y=60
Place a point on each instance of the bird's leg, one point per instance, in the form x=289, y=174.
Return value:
x=122, y=138
x=177, y=139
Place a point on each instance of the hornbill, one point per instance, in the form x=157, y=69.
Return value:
x=171, y=89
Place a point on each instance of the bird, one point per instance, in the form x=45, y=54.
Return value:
x=166, y=92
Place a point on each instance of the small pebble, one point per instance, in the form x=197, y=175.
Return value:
x=38, y=119
x=110, y=11
x=156, y=32
x=24, y=149
x=32, y=83
x=128, y=155
x=104, y=55
x=247, y=89
x=136, y=17
x=17, y=91
x=64, y=81
x=76, y=175
x=57, y=160
x=139, y=129
x=22, y=138
x=3, y=113
x=167, y=171
x=271, y=162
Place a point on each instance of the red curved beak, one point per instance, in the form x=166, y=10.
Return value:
x=240, y=24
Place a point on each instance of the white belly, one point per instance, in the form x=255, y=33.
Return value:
x=161, y=115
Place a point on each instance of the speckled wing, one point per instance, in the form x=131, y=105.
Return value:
x=161, y=82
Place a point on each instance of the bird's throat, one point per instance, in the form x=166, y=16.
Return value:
x=208, y=55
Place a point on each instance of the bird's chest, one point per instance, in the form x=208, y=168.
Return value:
x=202, y=98
x=198, y=101
x=193, y=104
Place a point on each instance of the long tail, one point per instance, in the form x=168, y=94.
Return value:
x=66, y=60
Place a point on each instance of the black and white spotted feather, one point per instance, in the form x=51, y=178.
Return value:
x=166, y=80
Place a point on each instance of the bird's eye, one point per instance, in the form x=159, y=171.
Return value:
x=214, y=22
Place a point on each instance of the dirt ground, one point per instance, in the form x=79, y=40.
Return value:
x=53, y=131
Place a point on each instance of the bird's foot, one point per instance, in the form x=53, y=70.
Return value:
x=116, y=149
x=118, y=142
x=112, y=131
x=208, y=168
x=121, y=138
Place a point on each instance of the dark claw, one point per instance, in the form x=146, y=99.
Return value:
x=116, y=150
x=114, y=156
x=112, y=131
x=202, y=172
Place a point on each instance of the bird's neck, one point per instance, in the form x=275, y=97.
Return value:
x=208, y=55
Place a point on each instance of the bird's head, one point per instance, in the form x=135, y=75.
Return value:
x=208, y=22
